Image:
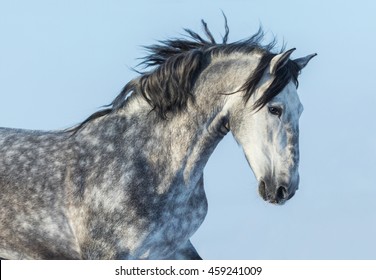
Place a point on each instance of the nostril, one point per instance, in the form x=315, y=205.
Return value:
x=282, y=193
x=262, y=190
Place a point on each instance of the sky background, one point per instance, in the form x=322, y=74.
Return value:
x=61, y=60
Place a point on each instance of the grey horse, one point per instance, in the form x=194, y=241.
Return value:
x=127, y=183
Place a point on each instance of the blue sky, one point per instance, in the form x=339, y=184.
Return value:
x=62, y=60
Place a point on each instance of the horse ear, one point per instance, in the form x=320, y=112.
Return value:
x=279, y=60
x=303, y=61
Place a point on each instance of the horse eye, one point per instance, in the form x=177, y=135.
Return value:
x=275, y=111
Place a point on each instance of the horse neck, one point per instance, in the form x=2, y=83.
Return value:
x=180, y=145
x=176, y=149
x=190, y=136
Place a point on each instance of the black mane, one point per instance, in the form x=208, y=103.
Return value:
x=175, y=63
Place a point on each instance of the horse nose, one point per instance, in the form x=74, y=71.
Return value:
x=276, y=195
x=281, y=194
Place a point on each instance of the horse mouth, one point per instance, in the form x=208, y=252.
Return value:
x=279, y=196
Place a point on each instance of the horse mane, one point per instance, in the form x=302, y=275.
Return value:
x=175, y=64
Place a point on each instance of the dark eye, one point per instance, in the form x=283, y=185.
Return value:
x=275, y=111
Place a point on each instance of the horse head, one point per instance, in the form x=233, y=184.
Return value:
x=267, y=126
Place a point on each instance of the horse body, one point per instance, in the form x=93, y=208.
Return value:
x=128, y=182
x=128, y=176
x=34, y=217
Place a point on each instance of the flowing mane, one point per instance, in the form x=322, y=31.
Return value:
x=173, y=65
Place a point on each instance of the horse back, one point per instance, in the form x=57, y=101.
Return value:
x=34, y=221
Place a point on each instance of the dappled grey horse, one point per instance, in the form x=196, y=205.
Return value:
x=127, y=183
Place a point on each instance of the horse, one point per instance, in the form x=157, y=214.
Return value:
x=127, y=182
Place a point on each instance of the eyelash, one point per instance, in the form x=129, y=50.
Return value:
x=275, y=111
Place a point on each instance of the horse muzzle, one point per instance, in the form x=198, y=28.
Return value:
x=277, y=193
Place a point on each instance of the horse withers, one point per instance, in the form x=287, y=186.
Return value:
x=127, y=183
